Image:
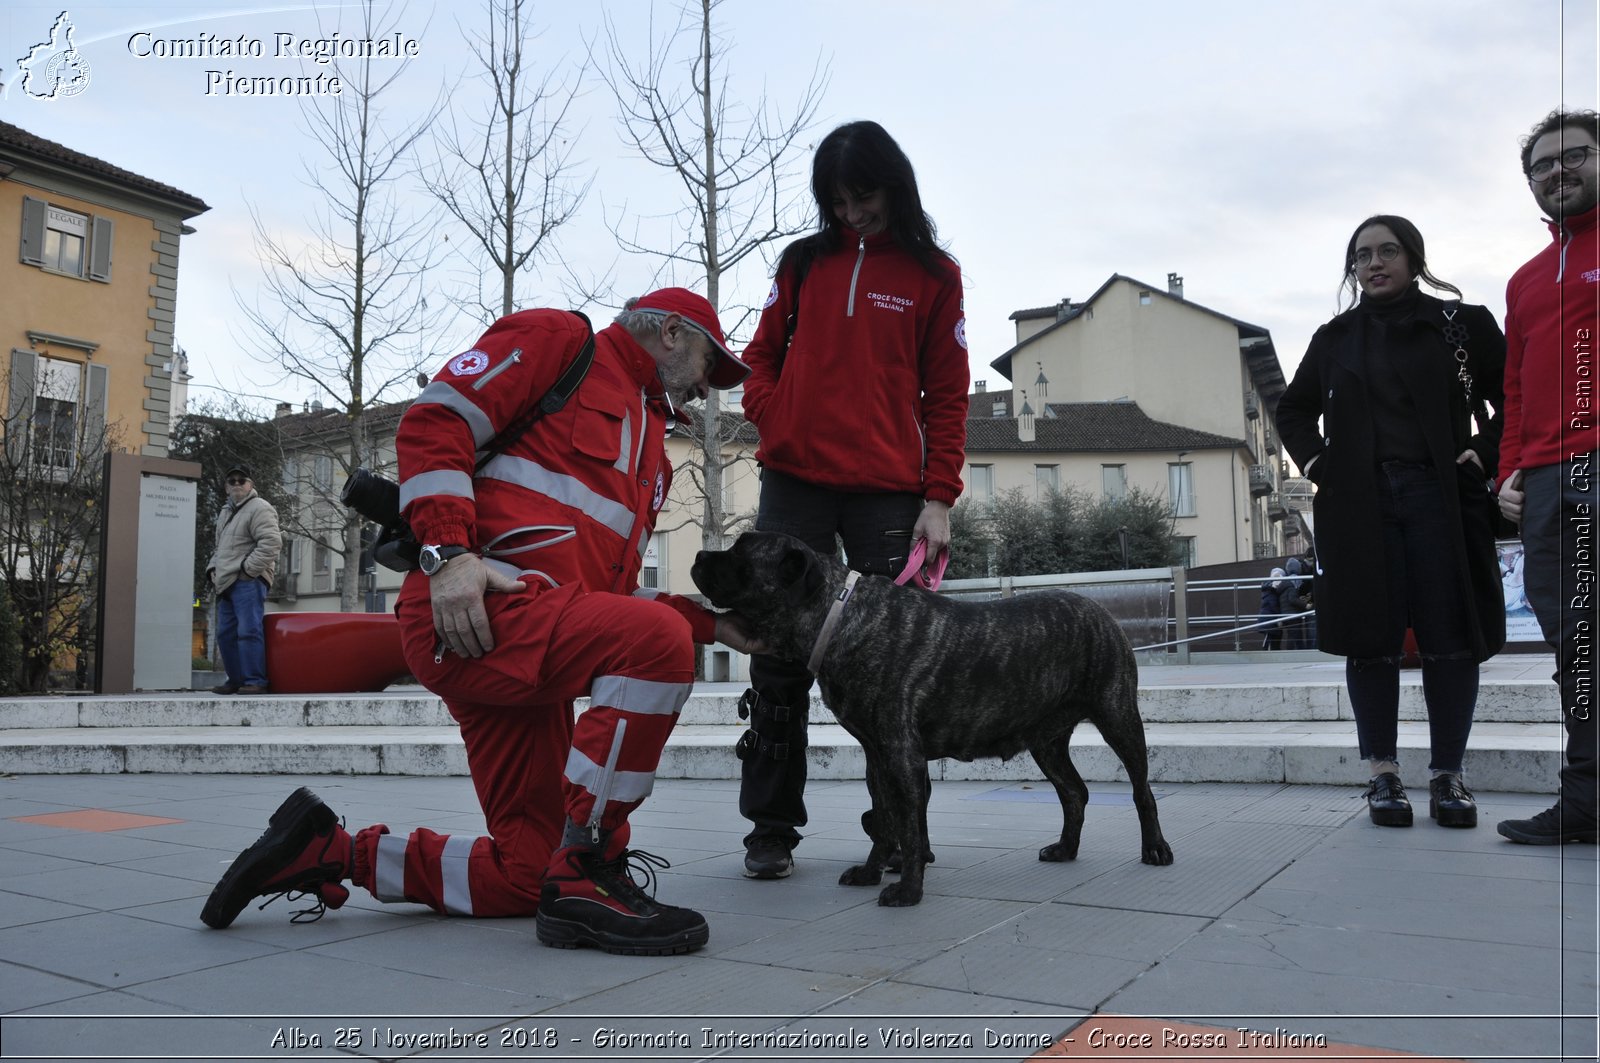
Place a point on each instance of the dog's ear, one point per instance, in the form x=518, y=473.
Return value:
x=802, y=578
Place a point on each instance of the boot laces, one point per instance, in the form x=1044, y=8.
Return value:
x=630, y=874
x=310, y=883
x=294, y=896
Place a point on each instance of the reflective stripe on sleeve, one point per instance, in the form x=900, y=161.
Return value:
x=389, y=869
x=643, y=696
x=438, y=482
x=440, y=394
x=559, y=487
x=625, y=785
x=453, y=874
x=626, y=452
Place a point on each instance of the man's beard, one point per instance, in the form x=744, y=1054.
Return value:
x=1572, y=208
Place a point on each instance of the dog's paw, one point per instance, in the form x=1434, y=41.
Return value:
x=861, y=875
x=900, y=895
x=892, y=865
x=1159, y=854
x=1057, y=853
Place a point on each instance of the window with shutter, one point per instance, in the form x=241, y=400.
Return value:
x=66, y=241
x=100, y=249
x=19, y=403
x=33, y=212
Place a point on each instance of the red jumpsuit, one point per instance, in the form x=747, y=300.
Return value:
x=568, y=509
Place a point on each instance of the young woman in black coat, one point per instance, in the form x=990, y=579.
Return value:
x=1403, y=511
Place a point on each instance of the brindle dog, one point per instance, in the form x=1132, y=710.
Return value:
x=915, y=677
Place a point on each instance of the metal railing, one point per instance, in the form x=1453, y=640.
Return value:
x=1164, y=614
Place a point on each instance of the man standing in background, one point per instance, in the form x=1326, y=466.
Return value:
x=1549, y=450
x=241, y=569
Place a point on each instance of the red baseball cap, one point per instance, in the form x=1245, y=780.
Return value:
x=697, y=314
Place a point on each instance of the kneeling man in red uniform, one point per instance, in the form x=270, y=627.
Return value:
x=528, y=598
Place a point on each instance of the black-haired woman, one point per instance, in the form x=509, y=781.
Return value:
x=858, y=387
x=1403, y=514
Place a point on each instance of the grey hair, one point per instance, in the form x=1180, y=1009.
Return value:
x=641, y=324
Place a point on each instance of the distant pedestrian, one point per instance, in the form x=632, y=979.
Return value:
x=1548, y=469
x=241, y=570
x=1404, y=517
x=1298, y=604
x=1272, y=591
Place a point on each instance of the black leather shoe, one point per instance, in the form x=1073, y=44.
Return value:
x=1550, y=827
x=225, y=688
x=1451, y=803
x=1387, y=803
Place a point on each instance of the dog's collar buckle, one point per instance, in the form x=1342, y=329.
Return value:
x=835, y=611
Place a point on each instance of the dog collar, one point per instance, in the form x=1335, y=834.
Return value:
x=835, y=611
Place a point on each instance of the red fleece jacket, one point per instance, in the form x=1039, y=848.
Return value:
x=1552, y=368
x=872, y=392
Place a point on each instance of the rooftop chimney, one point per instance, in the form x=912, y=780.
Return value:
x=1025, y=421
x=980, y=386
x=1175, y=285
x=284, y=410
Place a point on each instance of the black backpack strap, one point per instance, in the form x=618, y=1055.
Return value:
x=552, y=401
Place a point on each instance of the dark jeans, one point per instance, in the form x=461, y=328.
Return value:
x=876, y=532
x=240, y=638
x=1425, y=594
x=1559, y=571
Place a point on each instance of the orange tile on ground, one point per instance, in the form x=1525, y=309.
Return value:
x=1122, y=1037
x=95, y=819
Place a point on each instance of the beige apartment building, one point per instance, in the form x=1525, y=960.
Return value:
x=1138, y=386
x=88, y=305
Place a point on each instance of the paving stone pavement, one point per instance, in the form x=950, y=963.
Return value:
x=1286, y=914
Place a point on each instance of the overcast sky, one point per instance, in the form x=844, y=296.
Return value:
x=1056, y=143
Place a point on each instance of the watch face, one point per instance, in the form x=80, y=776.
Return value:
x=433, y=558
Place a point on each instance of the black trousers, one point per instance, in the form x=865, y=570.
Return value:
x=875, y=530
x=1559, y=571
x=1424, y=595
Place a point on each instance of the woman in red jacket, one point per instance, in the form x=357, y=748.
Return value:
x=858, y=387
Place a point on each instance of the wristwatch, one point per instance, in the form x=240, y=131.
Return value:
x=433, y=558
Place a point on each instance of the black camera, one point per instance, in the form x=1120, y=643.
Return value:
x=377, y=498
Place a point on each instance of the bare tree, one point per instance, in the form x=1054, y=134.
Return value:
x=736, y=167
x=351, y=302
x=509, y=177
x=50, y=524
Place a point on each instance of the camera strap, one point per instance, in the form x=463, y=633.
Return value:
x=553, y=400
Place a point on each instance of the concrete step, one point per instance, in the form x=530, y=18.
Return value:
x=1499, y=701
x=1502, y=756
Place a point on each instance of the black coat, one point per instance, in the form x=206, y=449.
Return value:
x=1352, y=590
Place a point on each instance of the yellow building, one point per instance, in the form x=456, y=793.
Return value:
x=87, y=306
x=1138, y=386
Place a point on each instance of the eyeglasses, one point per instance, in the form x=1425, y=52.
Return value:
x=1571, y=159
x=235, y=481
x=1386, y=253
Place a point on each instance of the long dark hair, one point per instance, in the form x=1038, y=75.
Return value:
x=1410, y=240
x=861, y=157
